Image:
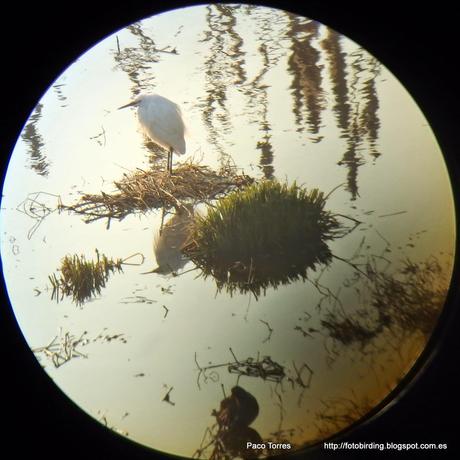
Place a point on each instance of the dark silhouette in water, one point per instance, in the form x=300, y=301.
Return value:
x=236, y=413
x=240, y=408
x=235, y=441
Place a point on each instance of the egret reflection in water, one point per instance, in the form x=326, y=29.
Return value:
x=336, y=322
x=170, y=241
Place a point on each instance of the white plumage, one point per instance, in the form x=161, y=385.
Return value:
x=162, y=121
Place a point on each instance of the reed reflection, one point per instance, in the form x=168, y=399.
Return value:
x=136, y=61
x=60, y=94
x=258, y=97
x=336, y=57
x=395, y=306
x=305, y=69
x=256, y=91
x=356, y=107
x=223, y=67
x=35, y=142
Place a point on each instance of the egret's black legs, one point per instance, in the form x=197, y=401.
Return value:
x=170, y=154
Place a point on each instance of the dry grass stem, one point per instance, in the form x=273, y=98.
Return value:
x=143, y=190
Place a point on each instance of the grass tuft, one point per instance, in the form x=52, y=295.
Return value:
x=264, y=235
x=81, y=278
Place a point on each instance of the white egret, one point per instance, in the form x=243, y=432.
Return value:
x=162, y=122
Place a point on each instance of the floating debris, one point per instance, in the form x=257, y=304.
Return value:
x=264, y=368
x=138, y=299
x=393, y=214
x=144, y=190
x=306, y=333
x=104, y=421
x=38, y=206
x=109, y=338
x=167, y=398
x=83, y=279
x=270, y=331
x=167, y=290
x=63, y=348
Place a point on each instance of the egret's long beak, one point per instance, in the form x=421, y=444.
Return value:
x=128, y=105
x=155, y=270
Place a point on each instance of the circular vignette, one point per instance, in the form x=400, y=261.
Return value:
x=440, y=124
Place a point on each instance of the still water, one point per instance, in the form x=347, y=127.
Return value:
x=281, y=97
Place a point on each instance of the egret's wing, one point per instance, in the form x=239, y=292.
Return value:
x=163, y=121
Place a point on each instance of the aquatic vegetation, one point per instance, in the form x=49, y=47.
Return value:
x=66, y=346
x=338, y=413
x=405, y=302
x=266, y=369
x=144, y=190
x=81, y=278
x=264, y=235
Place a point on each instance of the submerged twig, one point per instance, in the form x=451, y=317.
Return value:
x=63, y=348
x=270, y=330
x=264, y=368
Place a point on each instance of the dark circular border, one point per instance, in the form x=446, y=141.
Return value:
x=416, y=43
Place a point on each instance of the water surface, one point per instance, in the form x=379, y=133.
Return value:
x=283, y=97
